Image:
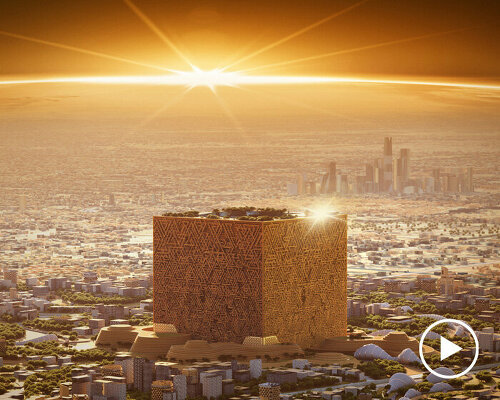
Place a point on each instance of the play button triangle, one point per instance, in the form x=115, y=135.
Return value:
x=448, y=348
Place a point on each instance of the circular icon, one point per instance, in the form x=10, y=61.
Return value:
x=448, y=348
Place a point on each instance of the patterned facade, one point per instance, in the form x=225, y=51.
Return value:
x=223, y=280
x=269, y=391
x=160, y=387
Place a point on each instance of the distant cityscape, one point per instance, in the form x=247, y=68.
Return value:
x=387, y=174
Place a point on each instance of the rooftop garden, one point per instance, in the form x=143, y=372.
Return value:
x=239, y=213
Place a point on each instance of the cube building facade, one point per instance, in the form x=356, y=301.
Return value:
x=224, y=279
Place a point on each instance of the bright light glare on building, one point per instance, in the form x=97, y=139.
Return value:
x=321, y=213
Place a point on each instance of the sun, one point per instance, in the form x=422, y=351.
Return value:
x=208, y=78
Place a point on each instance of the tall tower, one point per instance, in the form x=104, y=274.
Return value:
x=396, y=175
x=436, y=174
x=405, y=165
x=369, y=178
x=324, y=183
x=378, y=168
x=387, y=181
x=332, y=177
x=302, y=183
x=470, y=179
x=225, y=279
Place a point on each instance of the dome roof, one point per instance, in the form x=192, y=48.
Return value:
x=411, y=393
x=441, y=387
x=430, y=335
x=408, y=356
x=370, y=352
x=441, y=370
x=461, y=331
x=400, y=380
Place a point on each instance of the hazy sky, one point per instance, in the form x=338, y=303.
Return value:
x=215, y=33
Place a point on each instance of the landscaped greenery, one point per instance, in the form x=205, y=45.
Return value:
x=256, y=214
x=468, y=314
x=45, y=382
x=242, y=213
x=423, y=387
x=473, y=322
x=6, y=383
x=49, y=325
x=54, y=348
x=35, y=364
x=137, y=395
x=381, y=296
x=485, y=376
x=309, y=383
x=191, y=213
x=141, y=320
x=91, y=299
x=415, y=327
x=11, y=331
x=378, y=369
x=9, y=368
x=47, y=348
x=92, y=355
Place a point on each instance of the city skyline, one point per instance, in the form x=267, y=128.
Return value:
x=387, y=174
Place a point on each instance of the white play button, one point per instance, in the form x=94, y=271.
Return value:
x=448, y=348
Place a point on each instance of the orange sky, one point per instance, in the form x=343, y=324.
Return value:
x=215, y=33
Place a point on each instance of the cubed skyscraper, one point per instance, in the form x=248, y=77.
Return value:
x=225, y=279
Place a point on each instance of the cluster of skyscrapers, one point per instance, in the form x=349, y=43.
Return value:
x=387, y=174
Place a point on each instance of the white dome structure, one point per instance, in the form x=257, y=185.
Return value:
x=441, y=387
x=406, y=308
x=431, y=335
x=439, y=318
x=400, y=380
x=382, y=332
x=461, y=331
x=408, y=356
x=411, y=393
x=370, y=352
x=440, y=370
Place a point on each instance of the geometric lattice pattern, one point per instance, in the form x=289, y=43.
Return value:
x=223, y=280
x=305, y=280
